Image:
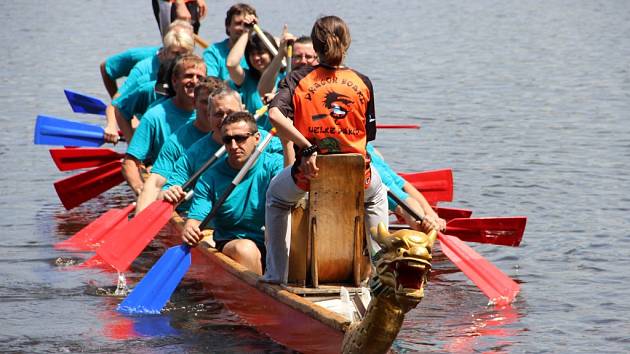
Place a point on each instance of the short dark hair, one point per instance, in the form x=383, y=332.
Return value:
x=304, y=40
x=238, y=9
x=244, y=116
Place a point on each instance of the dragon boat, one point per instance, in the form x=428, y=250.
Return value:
x=324, y=307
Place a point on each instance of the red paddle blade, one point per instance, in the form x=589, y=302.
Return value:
x=436, y=186
x=498, y=287
x=73, y=191
x=77, y=158
x=122, y=247
x=452, y=213
x=96, y=262
x=505, y=231
x=88, y=238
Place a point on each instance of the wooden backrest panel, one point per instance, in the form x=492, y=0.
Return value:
x=336, y=218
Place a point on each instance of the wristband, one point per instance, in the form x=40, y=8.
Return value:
x=308, y=151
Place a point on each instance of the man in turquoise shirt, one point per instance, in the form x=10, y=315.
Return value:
x=178, y=41
x=119, y=65
x=215, y=56
x=213, y=100
x=238, y=225
x=163, y=119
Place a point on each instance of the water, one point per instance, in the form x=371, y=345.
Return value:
x=527, y=101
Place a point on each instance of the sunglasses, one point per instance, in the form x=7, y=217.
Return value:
x=227, y=139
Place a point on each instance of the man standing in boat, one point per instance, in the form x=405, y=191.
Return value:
x=163, y=119
x=239, y=223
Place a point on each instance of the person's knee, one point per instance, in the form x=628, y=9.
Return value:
x=242, y=249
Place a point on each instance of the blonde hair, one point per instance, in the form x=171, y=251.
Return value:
x=331, y=39
x=180, y=24
x=180, y=38
x=187, y=61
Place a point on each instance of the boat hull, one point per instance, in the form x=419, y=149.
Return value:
x=285, y=317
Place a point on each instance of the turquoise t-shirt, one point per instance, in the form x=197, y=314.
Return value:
x=146, y=70
x=119, y=65
x=136, y=102
x=242, y=216
x=155, y=127
x=200, y=152
x=174, y=148
x=390, y=178
x=215, y=57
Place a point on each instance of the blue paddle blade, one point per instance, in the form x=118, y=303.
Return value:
x=81, y=103
x=55, y=131
x=156, y=288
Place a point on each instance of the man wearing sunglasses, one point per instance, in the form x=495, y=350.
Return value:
x=238, y=225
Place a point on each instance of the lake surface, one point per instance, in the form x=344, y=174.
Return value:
x=528, y=102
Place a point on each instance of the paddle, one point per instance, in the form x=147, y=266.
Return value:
x=289, y=56
x=397, y=126
x=502, y=231
x=452, y=213
x=497, y=286
x=78, y=158
x=55, y=131
x=436, y=186
x=89, y=237
x=122, y=248
x=81, y=103
x=73, y=191
x=154, y=290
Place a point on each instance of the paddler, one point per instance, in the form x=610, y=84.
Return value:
x=236, y=20
x=238, y=226
x=178, y=41
x=184, y=137
x=159, y=122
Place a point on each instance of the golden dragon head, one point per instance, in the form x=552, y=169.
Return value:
x=404, y=263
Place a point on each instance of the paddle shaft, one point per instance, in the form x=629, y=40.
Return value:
x=265, y=40
x=404, y=205
x=239, y=177
x=289, y=57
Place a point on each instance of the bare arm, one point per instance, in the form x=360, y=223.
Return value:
x=110, y=85
x=233, y=61
x=267, y=81
x=123, y=123
x=131, y=171
x=111, y=128
x=287, y=131
x=424, y=205
x=152, y=187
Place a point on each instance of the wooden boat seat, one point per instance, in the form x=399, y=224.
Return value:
x=327, y=229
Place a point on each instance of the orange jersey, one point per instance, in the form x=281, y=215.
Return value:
x=332, y=108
